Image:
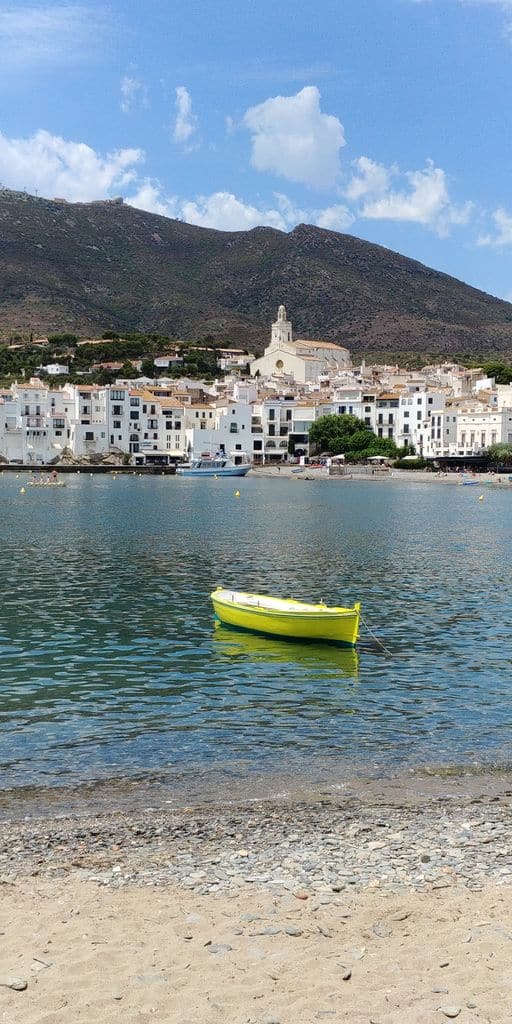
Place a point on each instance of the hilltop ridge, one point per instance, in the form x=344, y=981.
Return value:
x=91, y=267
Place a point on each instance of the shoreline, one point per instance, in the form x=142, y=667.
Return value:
x=394, y=476
x=206, y=790
x=57, y=834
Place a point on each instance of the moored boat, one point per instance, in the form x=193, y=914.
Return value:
x=218, y=465
x=285, y=617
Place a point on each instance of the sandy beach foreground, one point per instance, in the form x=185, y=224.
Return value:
x=385, y=905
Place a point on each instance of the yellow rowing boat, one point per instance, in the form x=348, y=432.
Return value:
x=285, y=617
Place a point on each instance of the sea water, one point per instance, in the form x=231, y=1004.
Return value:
x=111, y=665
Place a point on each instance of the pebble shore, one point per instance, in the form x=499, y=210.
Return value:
x=456, y=834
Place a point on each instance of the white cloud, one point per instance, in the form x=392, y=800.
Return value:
x=186, y=122
x=227, y=212
x=149, y=197
x=133, y=94
x=224, y=211
x=425, y=202
x=503, y=236
x=370, y=179
x=52, y=166
x=334, y=218
x=31, y=36
x=292, y=137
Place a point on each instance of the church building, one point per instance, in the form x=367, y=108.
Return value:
x=304, y=359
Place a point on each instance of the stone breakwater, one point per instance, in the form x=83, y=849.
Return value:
x=311, y=849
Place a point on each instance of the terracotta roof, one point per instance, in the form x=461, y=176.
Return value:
x=317, y=343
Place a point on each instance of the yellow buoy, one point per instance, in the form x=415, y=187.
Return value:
x=22, y=490
x=481, y=498
x=237, y=494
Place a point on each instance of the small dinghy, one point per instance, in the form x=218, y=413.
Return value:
x=285, y=617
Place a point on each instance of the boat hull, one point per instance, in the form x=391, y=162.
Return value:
x=227, y=471
x=297, y=621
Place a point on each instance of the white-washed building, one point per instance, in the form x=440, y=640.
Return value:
x=303, y=360
x=221, y=427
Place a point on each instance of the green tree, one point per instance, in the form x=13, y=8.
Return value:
x=500, y=371
x=500, y=454
x=347, y=435
x=147, y=368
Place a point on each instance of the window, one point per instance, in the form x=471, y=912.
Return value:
x=117, y=396
x=152, y=424
x=418, y=414
x=430, y=401
x=177, y=425
x=406, y=415
x=258, y=446
x=381, y=419
x=89, y=435
x=406, y=428
x=233, y=429
x=390, y=431
x=288, y=414
x=271, y=414
x=135, y=401
x=117, y=410
x=271, y=430
x=117, y=424
x=367, y=408
x=168, y=424
x=379, y=432
x=134, y=414
x=367, y=421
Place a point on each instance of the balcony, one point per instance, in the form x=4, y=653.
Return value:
x=35, y=421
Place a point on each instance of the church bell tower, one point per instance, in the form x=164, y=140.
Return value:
x=281, y=330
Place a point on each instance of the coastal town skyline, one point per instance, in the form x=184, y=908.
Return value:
x=261, y=409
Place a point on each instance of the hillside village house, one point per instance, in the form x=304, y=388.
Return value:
x=302, y=360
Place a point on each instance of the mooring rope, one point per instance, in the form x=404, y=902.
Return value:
x=375, y=637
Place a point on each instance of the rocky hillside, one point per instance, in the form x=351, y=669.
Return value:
x=92, y=267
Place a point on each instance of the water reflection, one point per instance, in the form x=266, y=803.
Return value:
x=232, y=643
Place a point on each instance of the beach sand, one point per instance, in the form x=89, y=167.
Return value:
x=387, y=907
x=90, y=954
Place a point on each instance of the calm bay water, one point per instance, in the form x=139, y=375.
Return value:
x=111, y=666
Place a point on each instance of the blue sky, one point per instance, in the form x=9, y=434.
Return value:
x=388, y=119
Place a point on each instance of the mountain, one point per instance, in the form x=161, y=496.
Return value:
x=93, y=267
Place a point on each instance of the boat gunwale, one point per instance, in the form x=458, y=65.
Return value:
x=314, y=612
